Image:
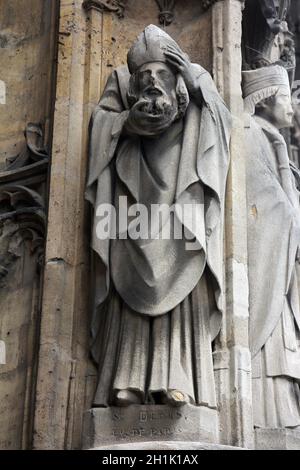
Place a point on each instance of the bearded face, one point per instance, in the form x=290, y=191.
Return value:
x=156, y=84
x=154, y=98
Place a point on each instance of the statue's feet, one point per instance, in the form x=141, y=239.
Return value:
x=176, y=398
x=127, y=397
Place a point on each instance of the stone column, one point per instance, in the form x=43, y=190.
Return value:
x=232, y=355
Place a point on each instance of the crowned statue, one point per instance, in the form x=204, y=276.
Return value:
x=273, y=184
x=159, y=137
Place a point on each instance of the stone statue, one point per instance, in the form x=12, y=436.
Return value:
x=159, y=136
x=265, y=20
x=273, y=184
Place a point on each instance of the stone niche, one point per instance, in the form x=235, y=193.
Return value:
x=191, y=28
x=94, y=37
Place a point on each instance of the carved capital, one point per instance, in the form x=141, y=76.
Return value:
x=166, y=15
x=114, y=6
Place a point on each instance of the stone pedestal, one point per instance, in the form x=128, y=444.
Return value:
x=277, y=439
x=167, y=445
x=155, y=423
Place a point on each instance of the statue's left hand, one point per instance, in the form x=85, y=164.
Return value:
x=183, y=65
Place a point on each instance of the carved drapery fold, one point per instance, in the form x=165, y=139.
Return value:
x=166, y=7
x=166, y=15
x=114, y=6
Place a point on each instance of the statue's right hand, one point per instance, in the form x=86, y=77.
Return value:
x=143, y=123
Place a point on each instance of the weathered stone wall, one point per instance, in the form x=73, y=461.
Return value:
x=27, y=68
x=190, y=28
x=27, y=57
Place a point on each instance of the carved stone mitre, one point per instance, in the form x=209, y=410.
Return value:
x=263, y=83
x=149, y=47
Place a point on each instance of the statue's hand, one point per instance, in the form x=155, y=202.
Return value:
x=143, y=123
x=183, y=65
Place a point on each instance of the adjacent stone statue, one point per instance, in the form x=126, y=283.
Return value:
x=159, y=136
x=273, y=248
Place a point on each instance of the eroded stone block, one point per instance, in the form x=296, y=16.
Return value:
x=139, y=423
x=277, y=439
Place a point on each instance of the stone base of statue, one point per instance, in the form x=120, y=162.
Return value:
x=167, y=445
x=277, y=439
x=154, y=423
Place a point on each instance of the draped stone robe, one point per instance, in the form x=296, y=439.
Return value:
x=157, y=306
x=273, y=259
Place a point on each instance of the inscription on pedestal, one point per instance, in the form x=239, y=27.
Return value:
x=154, y=422
x=148, y=424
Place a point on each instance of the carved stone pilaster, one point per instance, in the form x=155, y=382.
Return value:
x=114, y=6
x=166, y=15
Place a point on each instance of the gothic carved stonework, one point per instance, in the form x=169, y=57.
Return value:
x=206, y=4
x=166, y=16
x=22, y=201
x=115, y=6
x=294, y=27
x=264, y=21
x=275, y=12
x=32, y=152
x=295, y=138
x=287, y=52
